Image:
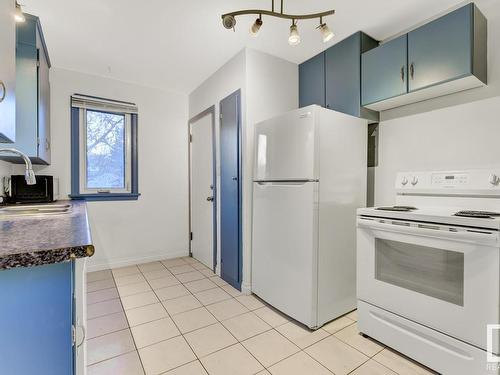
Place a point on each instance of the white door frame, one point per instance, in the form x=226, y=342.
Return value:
x=208, y=111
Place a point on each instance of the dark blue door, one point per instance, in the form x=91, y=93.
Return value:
x=230, y=190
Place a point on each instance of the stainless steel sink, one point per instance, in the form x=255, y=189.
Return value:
x=35, y=209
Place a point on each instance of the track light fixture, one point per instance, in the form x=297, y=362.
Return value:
x=229, y=21
x=256, y=26
x=294, y=37
x=18, y=14
x=326, y=33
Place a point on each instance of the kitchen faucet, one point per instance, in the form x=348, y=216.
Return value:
x=29, y=175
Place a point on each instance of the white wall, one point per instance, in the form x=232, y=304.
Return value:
x=466, y=136
x=456, y=131
x=156, y=225
x=269, y=86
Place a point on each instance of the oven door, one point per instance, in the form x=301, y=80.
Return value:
x=443, y=277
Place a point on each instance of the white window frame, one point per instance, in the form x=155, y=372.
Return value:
x=84, y=189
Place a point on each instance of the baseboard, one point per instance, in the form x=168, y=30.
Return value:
x=116, y=263
x=246, y=288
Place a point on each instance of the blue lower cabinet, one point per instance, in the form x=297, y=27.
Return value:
x=36, y=319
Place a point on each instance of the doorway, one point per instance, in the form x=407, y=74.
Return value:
x=202, y=188
x=230, y=189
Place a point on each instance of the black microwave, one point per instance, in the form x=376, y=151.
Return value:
x=45, y=190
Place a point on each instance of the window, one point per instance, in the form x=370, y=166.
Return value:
x=104, y=149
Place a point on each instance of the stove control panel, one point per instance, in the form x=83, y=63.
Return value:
x=476, y=182
x=449, y=179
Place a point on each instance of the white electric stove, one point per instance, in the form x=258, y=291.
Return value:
x=428, y=270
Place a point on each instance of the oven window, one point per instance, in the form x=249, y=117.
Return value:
x=434, y=272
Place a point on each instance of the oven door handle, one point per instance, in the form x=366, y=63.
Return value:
x=482, y=236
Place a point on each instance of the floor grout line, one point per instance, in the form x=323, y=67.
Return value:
x=173, y=321
x=112, y=357
x=131, y=334
x=217, y=321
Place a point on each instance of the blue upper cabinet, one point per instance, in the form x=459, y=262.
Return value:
x=7, y=72
x=384, y=71
x=445, y=56
x=332, y=79
x=442, y=50
x=343, y=78
x=312, y=81
x=32, y=105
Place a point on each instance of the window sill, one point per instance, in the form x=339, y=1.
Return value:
x=106, y=197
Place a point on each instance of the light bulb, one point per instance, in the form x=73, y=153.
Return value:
x=294, y=37
x=326, y=33
x=18, y=14
x=254, y=30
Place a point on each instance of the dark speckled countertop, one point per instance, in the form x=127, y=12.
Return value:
x=42, y=239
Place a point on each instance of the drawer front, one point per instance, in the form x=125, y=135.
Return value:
x=431, y=348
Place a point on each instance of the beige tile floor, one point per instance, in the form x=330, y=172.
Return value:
x=177, y=317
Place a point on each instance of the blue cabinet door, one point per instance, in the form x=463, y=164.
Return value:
x=230, y=190
x=32, y=93
x=342, y=63
x=36, y=320
x=441, y=50
x=7, y=73
x=26, y=99
x=384, y=71
x=312, y=81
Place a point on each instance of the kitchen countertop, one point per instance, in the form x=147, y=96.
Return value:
x=34, y=240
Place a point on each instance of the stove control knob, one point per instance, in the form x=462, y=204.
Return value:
x=414, y=180
x=404, y=181
x=494, y=179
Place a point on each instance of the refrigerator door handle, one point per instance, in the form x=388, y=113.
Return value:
x=285, y=182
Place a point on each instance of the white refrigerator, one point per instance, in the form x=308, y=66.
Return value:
x=309, y=178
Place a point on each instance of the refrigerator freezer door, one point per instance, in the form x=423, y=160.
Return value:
x=285, y=147
x=284, y=255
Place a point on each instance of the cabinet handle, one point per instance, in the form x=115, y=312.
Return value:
x=412, y=70
x=403, y=73
x=4, y=91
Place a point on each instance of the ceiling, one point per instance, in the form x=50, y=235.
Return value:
x=177, y=44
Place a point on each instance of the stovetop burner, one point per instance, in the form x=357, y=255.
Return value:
x=397, y=208
x=477, y=214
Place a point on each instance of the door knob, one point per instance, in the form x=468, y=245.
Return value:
x=235, y=178
x=210, y=199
